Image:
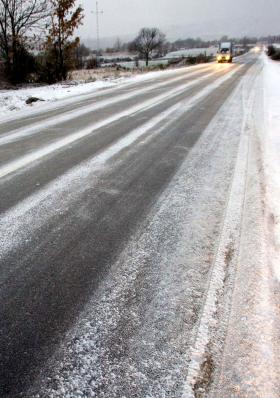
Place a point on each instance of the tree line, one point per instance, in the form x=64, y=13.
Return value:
x=188, y=43
x=45, y=28
x=38, y=42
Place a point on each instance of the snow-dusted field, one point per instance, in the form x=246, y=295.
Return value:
x=192, y=52
x=209, y=51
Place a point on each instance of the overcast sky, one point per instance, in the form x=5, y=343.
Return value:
x=183, y=17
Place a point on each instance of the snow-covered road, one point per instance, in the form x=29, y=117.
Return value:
x=134, y=248
x=13, y=101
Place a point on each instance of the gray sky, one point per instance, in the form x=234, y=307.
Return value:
x=179, y=18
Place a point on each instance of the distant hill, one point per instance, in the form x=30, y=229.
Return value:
x=106, y=41
x=233, y=27
x=207, y=30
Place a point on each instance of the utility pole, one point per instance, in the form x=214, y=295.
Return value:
x=97, y=13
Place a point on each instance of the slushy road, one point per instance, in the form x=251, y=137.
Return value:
x=112, y=206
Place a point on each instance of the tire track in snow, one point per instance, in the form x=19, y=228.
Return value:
x=80, y=98
x=17, y=222
x=26, y=160
x=88, y=367
x=24, y=132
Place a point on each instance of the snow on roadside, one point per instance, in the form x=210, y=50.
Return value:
x=272, y=155
x=227, y=246
x=249, y=366
x=15, y=100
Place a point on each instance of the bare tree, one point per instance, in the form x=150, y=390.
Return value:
x=147, y=41
x=20, y=21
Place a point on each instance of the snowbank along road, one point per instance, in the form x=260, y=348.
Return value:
x=121, y=238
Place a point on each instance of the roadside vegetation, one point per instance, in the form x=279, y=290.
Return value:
x=273, y=52
x=39, y=44
x=148, y=41
x=37, y=39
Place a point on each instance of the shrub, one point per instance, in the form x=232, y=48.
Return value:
x=276, y=56
x=23, y=67
x=271, y=50
x=92, y=63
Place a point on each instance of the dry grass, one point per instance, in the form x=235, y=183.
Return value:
x=100, y=74
x=205, y=378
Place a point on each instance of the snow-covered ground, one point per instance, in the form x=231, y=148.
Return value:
x=13, y=100
x=192, y=52
x=272, y=156
x=250, y=361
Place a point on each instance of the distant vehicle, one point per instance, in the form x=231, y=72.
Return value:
x=225, y=52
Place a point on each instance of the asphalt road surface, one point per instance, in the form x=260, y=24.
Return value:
x=112, y=206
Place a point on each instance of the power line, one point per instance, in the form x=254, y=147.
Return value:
x=97, y=12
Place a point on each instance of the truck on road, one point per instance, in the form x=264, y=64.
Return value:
x=225, y=52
